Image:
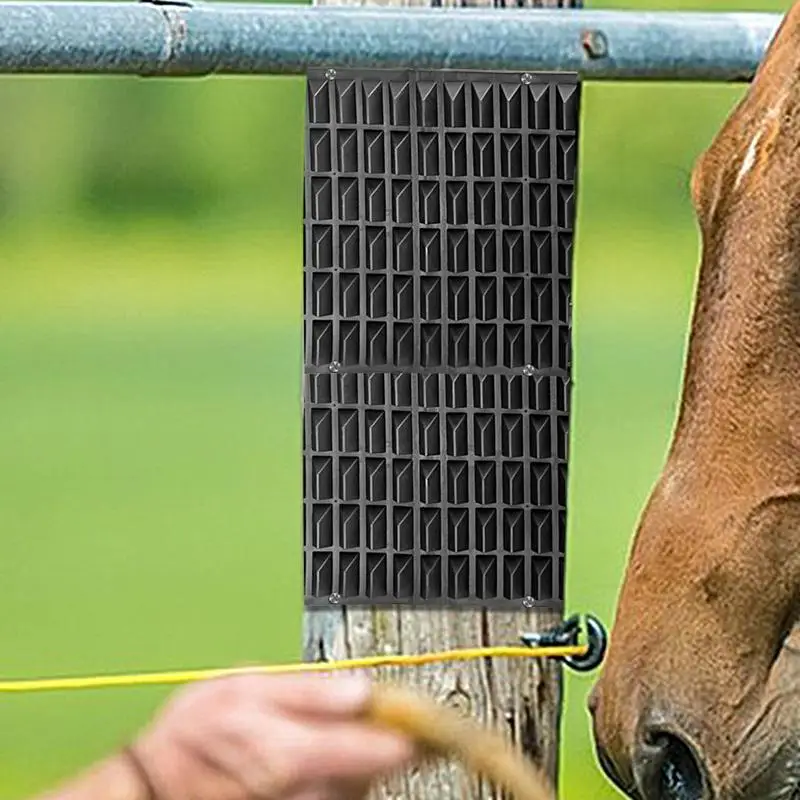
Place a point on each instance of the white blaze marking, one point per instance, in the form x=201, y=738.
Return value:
x=749, y=158
x=752, y=151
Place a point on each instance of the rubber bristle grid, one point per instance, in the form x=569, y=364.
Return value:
x=439, y=213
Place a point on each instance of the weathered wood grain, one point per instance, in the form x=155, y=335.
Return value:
x=522, y=698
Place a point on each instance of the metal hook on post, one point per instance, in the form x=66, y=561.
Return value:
x=567, y=634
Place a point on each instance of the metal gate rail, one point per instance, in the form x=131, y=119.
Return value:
x=150, y=38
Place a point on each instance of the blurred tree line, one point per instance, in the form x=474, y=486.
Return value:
x=113, y=149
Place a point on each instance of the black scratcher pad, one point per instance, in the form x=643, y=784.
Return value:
x=439, y=213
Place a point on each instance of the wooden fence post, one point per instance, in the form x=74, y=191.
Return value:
x=520, y=697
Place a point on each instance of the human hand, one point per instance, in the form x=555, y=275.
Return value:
x=262, y=737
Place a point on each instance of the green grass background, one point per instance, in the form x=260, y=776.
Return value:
x=150, y=363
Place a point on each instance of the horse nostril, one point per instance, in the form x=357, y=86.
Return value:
x=667, y=768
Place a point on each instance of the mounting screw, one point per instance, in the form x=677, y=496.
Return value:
x=528, y=602
x=529, y=370
x=334, y=366
x=330, y=74
x=335, y=599
x=594, y=44
x=527, y=78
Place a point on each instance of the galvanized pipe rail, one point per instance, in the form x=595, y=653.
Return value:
x=148, y=38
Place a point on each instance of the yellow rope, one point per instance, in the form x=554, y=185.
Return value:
x=189, y=676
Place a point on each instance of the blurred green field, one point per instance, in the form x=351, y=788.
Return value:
x=150, y=363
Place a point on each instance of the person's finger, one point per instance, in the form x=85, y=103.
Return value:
x=361, y=754
x=334, y=694
x=274, y=755
x=303, y=694
x=297, y=756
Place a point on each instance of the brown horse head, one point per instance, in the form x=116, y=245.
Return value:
x=700, y=693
